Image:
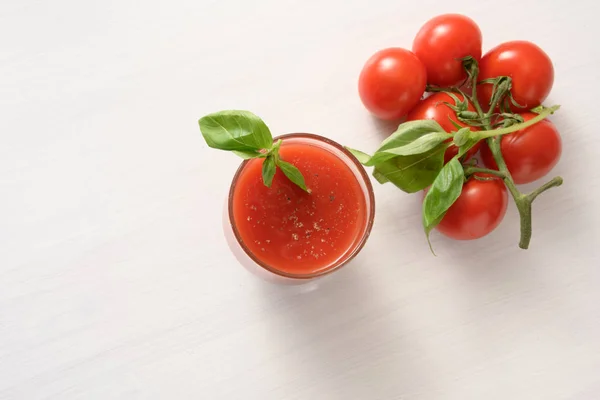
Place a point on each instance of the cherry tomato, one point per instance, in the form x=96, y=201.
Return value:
x=392, y=82
x=478, y=210
x=529, y=153
x=442, y=42
x=434, y=107
x=529, y=67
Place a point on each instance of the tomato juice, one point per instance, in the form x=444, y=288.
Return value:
x=302, y=234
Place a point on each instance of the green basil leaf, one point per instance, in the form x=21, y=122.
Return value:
x=276, y=146
x=462, y=150
x=268, y=170
x=465, y=139
x=413, y=137
x=462, y=136
x=235, y=130
x=380, y=177
x=248, y=154
x=420, y=145
x=408, y=132
x=444, y=191
x=412, y=173
x=292, y=173
x=363, y=158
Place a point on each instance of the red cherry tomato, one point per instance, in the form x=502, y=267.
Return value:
x=529, y=67
x=529, y=153
x=442, y=42
x=434, y=108
x=478, y=210
x=392, y=82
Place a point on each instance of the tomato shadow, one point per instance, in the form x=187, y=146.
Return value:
x=498, y=284
x=340, y=327
x=491, y=281
x=385, y=128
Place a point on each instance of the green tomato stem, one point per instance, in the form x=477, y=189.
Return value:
x=554, y=182
x=475, y=101
x=522, y=202
x=524, y=208
x=517, y=127
x=494, y=145
x=493, y=136
x=494, y=104
x=474, y=170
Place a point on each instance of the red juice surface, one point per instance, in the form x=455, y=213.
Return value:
x=294, y=231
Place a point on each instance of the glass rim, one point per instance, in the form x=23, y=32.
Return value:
x=355, y=249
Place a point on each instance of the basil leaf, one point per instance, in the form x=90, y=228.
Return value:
x=245, y=134
x=380, y=177
x=461, y=137
x=248, y=154
x=235, y=130
x=362, y=158
x=276, y=146
x=413, y=137
x=292, y=173
x=462, y=150
x=420, y=145
x=465, y=139
x=409, y=132
x=444, y=191
x=268, y=170
x=411, y=173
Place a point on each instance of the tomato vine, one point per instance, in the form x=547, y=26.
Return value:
x=412, y=157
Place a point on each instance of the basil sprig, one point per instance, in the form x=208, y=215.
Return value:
x=412, y=158
x=409, y=158
x=246, y=135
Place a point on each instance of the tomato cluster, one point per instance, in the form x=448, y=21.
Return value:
x=445, y=78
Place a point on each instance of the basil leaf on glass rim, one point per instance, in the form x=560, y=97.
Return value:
x=248, y=154
x=235, y=130
x=247, y=136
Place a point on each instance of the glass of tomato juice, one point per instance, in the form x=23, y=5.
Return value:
x=288, y=235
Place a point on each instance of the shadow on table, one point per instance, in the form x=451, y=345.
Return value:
x=339, y=336
x=385, y=128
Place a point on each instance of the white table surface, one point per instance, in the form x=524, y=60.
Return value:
x=115, y=278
